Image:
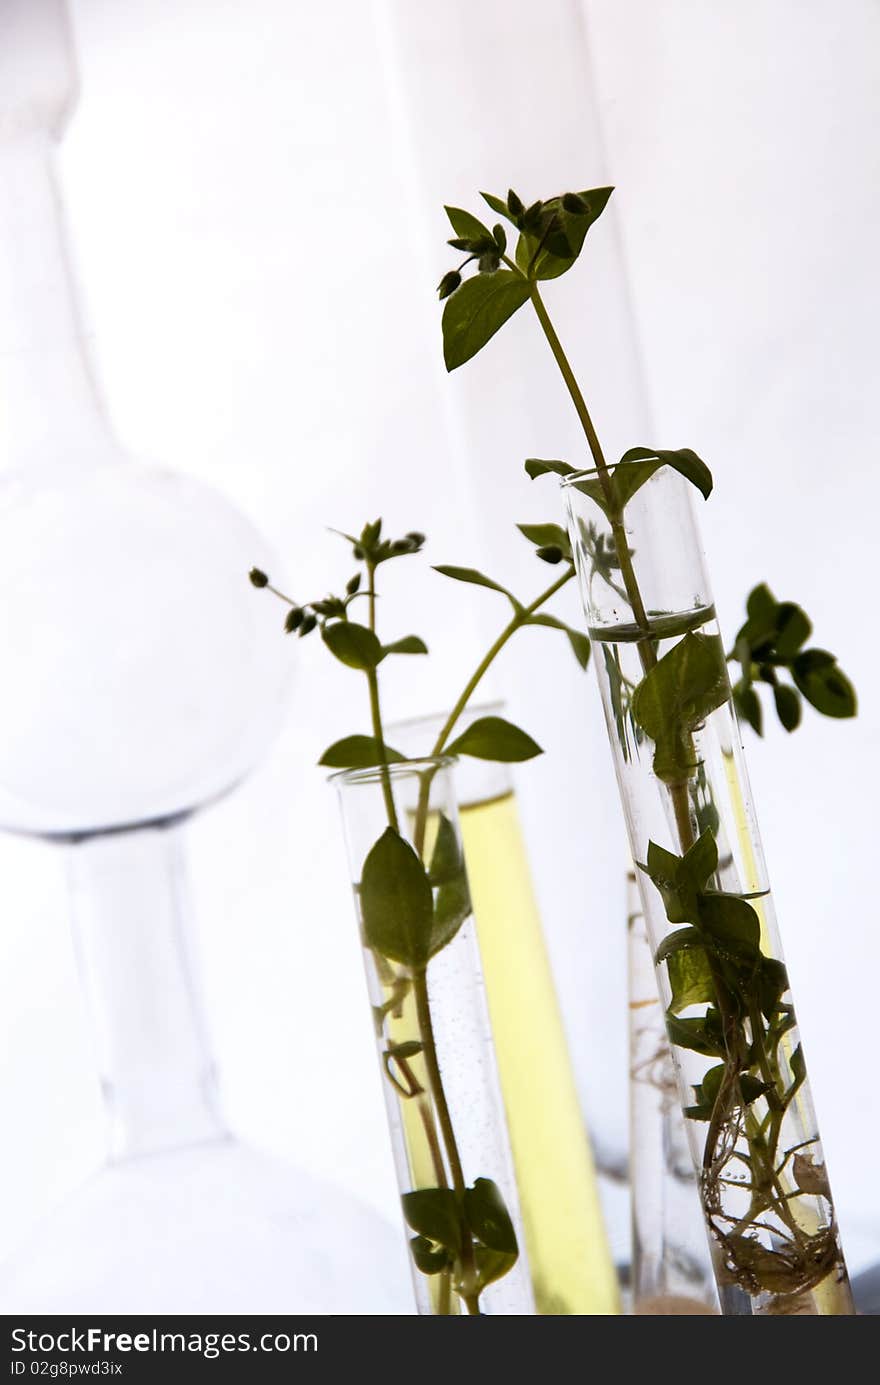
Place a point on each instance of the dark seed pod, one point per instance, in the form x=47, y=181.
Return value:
x=550, y=553
x=258, y=578
x=500, y=237
x=358, y=553
x=532, y=217
x=449, y=283
x=574, y=204
x=353, y=584
x=417, y=538
x=514, y=205
x=294, y=620
x=403, y=546
x=308, y=624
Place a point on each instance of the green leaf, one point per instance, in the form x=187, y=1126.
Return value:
x=477, y=310
x=788, y=706
x=565, y=243
x=497, y=204
x=793, y=629
x=547, y=535
x=812, y=659
x=699, y=1035
x=673, y=942
x=761, y=605
x=798, y=1071
x=675, y=696
x=492, y=1264
x=397, y=904
x=751, y=1088
x=536, y=467
x=690, y=978
x=493, y=738
x=450, y=911
x=410, y=644
x=446, y=858
x=358, y=752
x=479, y=579
x=434, y=1213
x=700, y=861
x=771, y=984
x=430, y=1259
x=354, y=645
x=682, y=459
x=748, y=706
x=680, y=878
x=730, y=922
x=488, y=1217
x=579, y=642
x=466, y=225
x=824, y=685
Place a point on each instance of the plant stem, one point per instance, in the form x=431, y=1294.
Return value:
x=517, y=620
x=426, y=1027
x=376, y=711
x=646, y=648
x=470, y=1294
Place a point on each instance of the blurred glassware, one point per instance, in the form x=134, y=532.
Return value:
x=141, y=683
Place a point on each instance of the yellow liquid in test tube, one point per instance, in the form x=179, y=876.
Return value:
x=571, y=1266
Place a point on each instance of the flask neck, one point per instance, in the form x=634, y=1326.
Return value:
x=50, y=411
x=131, y=928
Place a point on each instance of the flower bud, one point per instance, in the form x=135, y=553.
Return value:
x=353, y=584
x=449, y=283
x=550, y=553
x=258, y=578
x=294, y=619
x=308, y=624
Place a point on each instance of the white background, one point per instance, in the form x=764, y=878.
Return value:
x=254, y=192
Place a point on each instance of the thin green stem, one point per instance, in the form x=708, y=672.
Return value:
x=470, y=1293
x=624, y=558
x=376, y=711
x=432, y=1066
x=517, y=620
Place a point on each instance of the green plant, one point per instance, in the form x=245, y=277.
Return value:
x=414, y=899
x=717, y=960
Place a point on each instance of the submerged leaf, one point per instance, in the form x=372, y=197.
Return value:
x=397, y=903
x=435, y=1214
x=810, y=1177
x=675, y=696
x=488, y=1217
